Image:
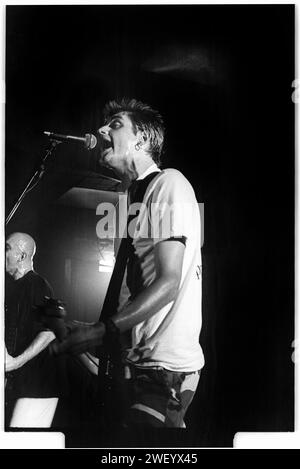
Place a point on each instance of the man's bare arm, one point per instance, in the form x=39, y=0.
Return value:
x=168, y=264
x=41, y=341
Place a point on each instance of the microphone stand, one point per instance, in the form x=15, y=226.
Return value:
x=37, y=176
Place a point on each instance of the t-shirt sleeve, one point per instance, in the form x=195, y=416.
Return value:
x=172, y=207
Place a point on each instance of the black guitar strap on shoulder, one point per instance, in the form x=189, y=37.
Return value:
x=137, y=191
x=112, y=390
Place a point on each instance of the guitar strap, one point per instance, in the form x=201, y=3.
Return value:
x=136, y=191
x=113, y=394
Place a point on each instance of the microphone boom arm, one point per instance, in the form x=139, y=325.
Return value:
x=89, y=140
x=33, y=180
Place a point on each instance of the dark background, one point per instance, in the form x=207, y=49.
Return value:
x=222, y=77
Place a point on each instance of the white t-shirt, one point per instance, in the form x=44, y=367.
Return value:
x=169, y=338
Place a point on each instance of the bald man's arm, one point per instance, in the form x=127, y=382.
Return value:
x=41, y=341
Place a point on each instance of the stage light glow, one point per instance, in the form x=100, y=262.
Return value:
x=106, y=261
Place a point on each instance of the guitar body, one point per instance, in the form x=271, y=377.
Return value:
x=112, y=393
x=112, y=388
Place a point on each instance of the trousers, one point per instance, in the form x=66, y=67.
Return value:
x=159, y=397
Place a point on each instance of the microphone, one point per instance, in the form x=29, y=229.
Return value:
x=89, y=140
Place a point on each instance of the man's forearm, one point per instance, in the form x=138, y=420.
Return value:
x=41, y=341
x=161, y=292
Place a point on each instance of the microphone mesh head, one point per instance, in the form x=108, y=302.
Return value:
x=90, y=141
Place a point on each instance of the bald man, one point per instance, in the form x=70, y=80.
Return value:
x=31, y=392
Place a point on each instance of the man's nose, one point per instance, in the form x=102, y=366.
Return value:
x=104, y=130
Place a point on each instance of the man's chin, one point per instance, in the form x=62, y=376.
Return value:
x=9, y=272
x=105, y=160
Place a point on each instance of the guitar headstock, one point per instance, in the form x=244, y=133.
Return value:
x=53, y=313
x=54, y=307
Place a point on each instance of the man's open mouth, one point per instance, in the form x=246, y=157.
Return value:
x=105, y=145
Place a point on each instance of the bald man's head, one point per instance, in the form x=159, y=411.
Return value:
x=19, y=251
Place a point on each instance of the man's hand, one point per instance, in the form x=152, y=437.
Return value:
x=71, y=336
x=81, y=337
x=11, y=363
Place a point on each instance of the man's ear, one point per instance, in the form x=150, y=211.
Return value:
x=142, y=138
x=22, y=256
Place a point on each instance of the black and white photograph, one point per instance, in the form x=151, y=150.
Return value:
x=149, y=281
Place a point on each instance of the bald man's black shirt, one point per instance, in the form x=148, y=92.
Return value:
x=41, y=376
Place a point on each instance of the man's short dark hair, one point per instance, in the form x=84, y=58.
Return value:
x=143, y=118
